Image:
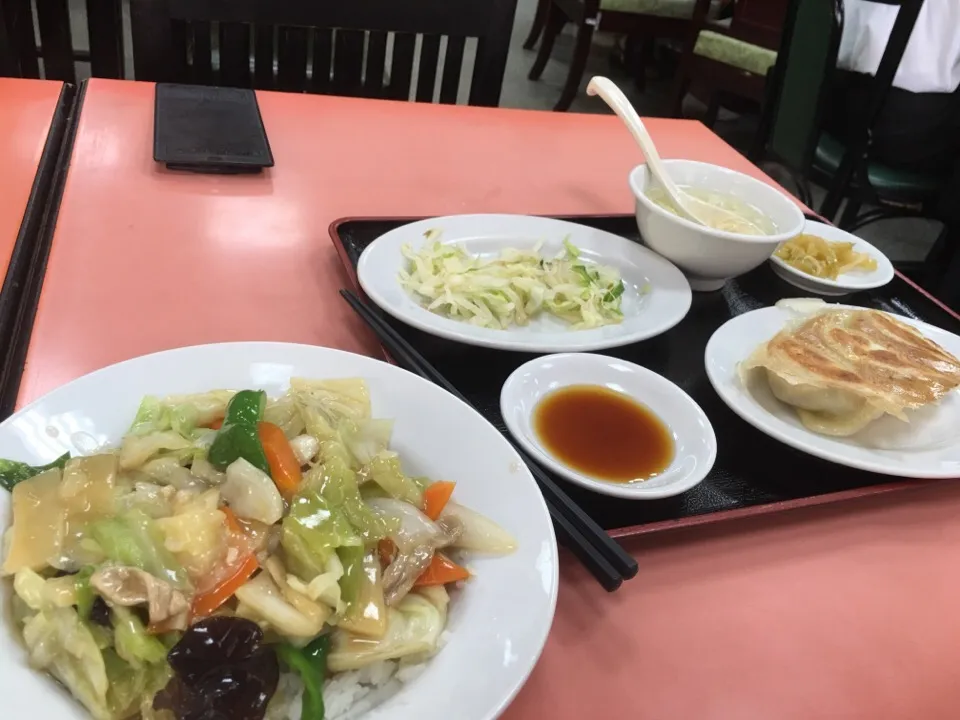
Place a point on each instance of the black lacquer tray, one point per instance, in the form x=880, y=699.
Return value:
x=753, y=472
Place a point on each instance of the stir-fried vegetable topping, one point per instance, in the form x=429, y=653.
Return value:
x=226, y=535
x=310, y=663
x=514, y=287
x=237, y=438
x=222, y=669
x=13, y=472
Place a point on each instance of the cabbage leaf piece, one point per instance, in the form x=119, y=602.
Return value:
x=414, y=627
x=60, y=643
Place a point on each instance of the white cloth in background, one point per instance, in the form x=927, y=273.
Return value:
x=931, y=62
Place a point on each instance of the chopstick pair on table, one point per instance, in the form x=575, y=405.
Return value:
x=600, y=554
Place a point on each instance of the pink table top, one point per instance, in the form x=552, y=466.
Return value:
x=842, y=612
x=26, y=111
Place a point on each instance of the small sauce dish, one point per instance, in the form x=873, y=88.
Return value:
x=630, y=420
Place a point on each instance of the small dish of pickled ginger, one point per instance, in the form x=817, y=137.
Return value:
x=828, y=261
x=855, y=386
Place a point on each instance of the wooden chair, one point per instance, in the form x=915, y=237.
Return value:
x=792, y=125
x=722, y=62
x=326, y=47
x=56, y=49
x=645, y=18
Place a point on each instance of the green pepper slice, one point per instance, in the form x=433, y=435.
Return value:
x=238, y=437
x=310, y=663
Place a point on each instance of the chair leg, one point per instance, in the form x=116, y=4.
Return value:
x=683, y=85
x=850, y=212
x=713, y=110
x=539, y=21
x=946, y=283
x=839, y=185
x=554, y=24
x=580, y=55
x=644, y=57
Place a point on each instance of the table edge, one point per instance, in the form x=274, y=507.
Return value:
x=21, y=287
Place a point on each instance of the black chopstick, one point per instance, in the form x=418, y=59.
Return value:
x=608, y=562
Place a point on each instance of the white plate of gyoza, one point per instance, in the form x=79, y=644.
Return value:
x=858, y=387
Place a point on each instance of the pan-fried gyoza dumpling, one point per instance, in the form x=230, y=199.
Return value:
x=844, y=368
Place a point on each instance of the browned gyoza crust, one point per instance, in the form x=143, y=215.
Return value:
x=869, y=353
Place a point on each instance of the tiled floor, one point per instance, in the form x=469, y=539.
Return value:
x=907, y=239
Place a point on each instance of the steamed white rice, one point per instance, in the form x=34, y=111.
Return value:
x=349, y=695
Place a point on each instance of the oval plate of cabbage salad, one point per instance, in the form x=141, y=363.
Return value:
x=266, y=530
x=524, y=283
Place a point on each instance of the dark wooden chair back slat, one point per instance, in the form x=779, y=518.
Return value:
x=105, y=30
x=263, y=49
x=235, y=49
x=54, y=57
x=759, y=22
x=322, y=60
x=200, y=53
x=53, y=20
x=452, y=69
x=348, y=62
x=179, y=42
x=404, y=45
x=9, y=67
x=376, y=60
x=22, y=37
x=429, y=61
x=342, y=48
x=292, y=58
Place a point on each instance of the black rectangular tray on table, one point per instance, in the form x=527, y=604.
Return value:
x=753, y=472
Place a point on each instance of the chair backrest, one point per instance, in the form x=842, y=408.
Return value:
x=368, y=48
x=792, y=115
x=9, y=64
x=800, y=78
x=805, y=70
x=56, y=56
x=759, y=22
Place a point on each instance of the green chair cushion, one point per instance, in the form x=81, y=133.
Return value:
x=731, y=51
x=660, y=8
x=890, y=183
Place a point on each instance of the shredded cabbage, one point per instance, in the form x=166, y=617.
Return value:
x=323, y=404
x=59, y=642
x=514, y=287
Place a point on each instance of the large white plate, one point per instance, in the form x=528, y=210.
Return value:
x=737, y=338
x=498, y=623
x=645, y=314
x=846, y=283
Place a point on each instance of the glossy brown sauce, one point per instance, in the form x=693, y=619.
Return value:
x=603, y=434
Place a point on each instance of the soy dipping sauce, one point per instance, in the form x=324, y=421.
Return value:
x=603, y=434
